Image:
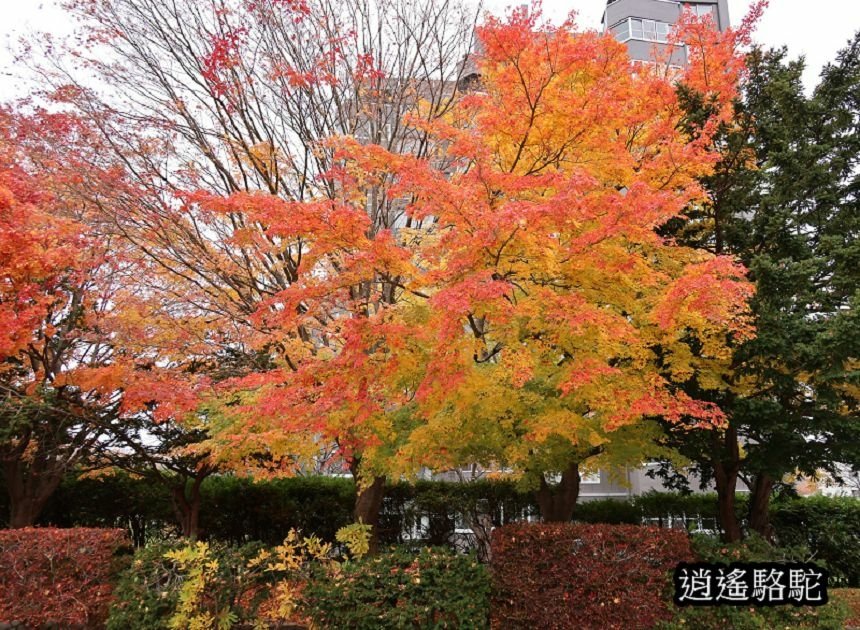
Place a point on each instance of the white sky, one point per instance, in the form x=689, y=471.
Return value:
x=816, y=30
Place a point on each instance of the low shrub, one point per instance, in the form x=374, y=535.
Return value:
x=150, y=593
x=59, y=576
x=830, y=527
x=147, y=591
x=755, y=549
x=584, y=576
x=398, y=589
x=176, y=585
x=851, y=598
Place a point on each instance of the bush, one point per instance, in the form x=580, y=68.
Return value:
x=609, y=511
x=432, y=508
x=584, y=576
x=754, y=549
x=830, y=527
x=148, y=593
x=113, y=500
x=59, y=576
x=399, y=589
x=851, y=598
x=239, y=510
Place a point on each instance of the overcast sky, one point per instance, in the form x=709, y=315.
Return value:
x=816, y=29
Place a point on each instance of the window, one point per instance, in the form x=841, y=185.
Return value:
x=590, y=477
x=649, y=30
x=622, y=31
x=646, y=30
x=702, y=10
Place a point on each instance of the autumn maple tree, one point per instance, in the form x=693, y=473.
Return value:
x=53, y=288
x=528, y=313
x=81, y=348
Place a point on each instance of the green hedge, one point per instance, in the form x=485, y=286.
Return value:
x=143, y=509
x=148, y=593
x=442, y=503
x=829, y=527
x=434, y=588
x=399, y=588
x=831, y=616
x=237, y=510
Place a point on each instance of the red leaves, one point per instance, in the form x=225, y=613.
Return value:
x=715, y=291
x=367, y=70
x=531, y=261
x=584, y=576
x=41, y=253
x=223, y=56
x=59, y=576
x=715, y=60
x=480, y=292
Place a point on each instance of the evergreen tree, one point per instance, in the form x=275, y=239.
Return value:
x=784, y=200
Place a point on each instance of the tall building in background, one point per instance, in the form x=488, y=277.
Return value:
x=644, y=25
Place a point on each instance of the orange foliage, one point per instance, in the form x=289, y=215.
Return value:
x=70, y=299
x=527, y=296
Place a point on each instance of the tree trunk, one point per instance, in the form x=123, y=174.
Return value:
x=759, y=507
x=726, y=461
x=188, y=508
x=29, y=491
x=24, y=512
x=368, y=504
x=482, y=525
x=558, y=503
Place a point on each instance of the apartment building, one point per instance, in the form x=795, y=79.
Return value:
x=644, y=25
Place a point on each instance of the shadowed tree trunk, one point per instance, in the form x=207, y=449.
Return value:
x=368, y=504
x=187, y=505
x=726, y=462
x=557, y=503
x=36, y=456
x=29, y=487
x=482, y=524
x=759, y=507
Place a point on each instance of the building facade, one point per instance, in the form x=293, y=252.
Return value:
x=645, y=25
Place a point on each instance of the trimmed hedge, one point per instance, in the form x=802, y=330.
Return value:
x=398, y=589
x=829, y=527
x=831, y=616
x=432, y=508
x=237, y=510
x=62, y=577
x=584, y=576
x=108, y=501
x=434, y=588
